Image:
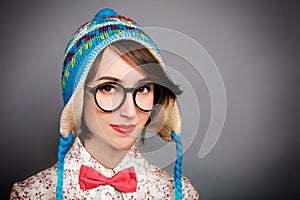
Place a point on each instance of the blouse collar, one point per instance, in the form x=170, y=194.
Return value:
x=78, y=155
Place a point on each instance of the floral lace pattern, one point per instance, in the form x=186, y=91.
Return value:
x=152, y=182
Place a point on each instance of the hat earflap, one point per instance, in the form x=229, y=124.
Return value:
x=165, y=119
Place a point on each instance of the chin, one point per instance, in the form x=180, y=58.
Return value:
x=123, y=145
x=125, y=142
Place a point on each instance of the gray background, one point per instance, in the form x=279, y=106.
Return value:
x=255, y=44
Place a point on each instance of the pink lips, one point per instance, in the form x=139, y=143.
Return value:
x=123, y=129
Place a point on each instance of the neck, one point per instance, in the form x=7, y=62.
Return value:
x=105, y=154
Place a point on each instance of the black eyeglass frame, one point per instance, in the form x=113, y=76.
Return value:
x=132, y=90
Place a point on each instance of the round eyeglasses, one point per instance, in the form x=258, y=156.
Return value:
x=110, y=96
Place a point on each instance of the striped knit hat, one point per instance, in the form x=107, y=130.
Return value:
x=88, y=41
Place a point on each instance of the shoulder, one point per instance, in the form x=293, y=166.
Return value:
x=188, y=190
x=162, y=184
x=38, y=186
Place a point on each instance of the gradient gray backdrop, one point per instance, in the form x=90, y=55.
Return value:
x=255, y=44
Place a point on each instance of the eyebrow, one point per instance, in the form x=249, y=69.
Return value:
x=120, y=81
x=109, y=78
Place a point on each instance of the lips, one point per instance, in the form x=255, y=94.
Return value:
x=123, y=129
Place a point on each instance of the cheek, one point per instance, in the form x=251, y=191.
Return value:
x=143, y=118
x=91, y=114
x=88, y=114
x=101, y=117
x=96, y=120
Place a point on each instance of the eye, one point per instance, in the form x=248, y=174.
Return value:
x=107, y=88
x=145, y=88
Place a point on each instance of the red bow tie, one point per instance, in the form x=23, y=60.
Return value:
x=124, y=180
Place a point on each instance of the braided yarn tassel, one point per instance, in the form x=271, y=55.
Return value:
x=177, y=168
x=64, y=145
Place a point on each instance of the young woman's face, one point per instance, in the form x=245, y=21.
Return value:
x=118, y=129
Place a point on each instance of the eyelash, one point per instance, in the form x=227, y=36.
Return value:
x=147, y=87
x=106, y=86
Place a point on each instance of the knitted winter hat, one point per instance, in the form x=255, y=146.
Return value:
x=88, y=41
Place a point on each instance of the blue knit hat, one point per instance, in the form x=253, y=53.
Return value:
x=87, y=42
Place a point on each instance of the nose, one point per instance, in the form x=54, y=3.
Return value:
x=128, y=109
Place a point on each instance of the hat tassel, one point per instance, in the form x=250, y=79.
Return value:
x=178, y=164
x=64, y=145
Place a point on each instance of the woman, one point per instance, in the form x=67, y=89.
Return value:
x=115, y=89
